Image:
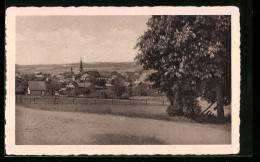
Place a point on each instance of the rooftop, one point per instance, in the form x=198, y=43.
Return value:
x=37, y=85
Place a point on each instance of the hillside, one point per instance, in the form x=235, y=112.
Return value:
x=60, y=68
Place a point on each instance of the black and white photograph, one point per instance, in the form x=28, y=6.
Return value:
x=140, y=80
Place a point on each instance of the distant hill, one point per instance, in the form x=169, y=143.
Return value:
x=61, y=68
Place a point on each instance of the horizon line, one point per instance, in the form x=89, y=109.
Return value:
x=78, y=62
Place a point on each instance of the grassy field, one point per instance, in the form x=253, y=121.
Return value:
x=138, y=106
x=40, y=127
x=140, y=111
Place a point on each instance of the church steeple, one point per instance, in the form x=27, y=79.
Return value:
x=81, y=66
x=71, y=70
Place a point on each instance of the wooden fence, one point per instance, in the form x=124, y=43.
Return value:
x=98, y=101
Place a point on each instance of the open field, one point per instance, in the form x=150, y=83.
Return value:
x=61, y=68
x=141, y=111
x=40, y=127
x=138, y=106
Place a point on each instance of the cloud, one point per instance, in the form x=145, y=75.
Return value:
x=66, y=45
x=53, y=38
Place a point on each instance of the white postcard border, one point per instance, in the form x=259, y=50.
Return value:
x=12, y=149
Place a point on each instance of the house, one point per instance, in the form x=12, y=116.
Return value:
x=69, y=80
x=109, y=85
x=37, y=88
x=144, y=78
x=61, y=80
x=83, y=85
x=137, y=82
x=18, y=76
x=114, y=77
x=70, y=86
x=38, y=76
x=128, y=84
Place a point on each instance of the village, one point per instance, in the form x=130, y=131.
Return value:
x=122, y=80
x=85, y=83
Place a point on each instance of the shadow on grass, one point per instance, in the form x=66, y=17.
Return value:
x=120, y=139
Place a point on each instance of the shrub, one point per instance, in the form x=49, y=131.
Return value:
x=190, y=110
x=103, y=95
x=174, y=111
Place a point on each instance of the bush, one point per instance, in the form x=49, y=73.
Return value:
x=103, y=95
x=174, y=111
x=191, y=111
x=125, y=96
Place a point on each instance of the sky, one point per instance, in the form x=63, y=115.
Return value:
x=65, y=39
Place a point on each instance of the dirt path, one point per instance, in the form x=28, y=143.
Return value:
x=66, y=128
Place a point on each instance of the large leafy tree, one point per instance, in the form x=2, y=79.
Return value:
x=191, y=55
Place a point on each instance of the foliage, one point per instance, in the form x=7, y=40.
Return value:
x=29, y=77
x=53, y=86
x=21, y=86
x=189, y=49
x=141, y=90
x=101, y=82
x=119, y=90
x=84, y=91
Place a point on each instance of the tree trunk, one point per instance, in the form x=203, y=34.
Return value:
x=220, y=108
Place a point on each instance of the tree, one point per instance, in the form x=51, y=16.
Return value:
x=119, y=90
x=29, y=77
x=141, y=89
x=189, y=49
x=21, y=86
x=84, y=91
x=101, y=82
x=53, y=86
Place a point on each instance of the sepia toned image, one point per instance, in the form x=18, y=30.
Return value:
x=146, y=81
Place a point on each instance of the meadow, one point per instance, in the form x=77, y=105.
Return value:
x=140, y=107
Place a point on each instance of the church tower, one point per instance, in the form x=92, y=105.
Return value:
x=80, y=66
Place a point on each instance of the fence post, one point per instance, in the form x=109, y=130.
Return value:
x=95, y=101
x=34, y=99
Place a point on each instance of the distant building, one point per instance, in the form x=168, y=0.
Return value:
x=137, y=82
x=38, y=76
x=69, y=80
x=81, y=65
x=114, y=77
x=109, y=85
x=37, y=88
x=18, y=76
x=70, y=85
x=144, y=78
x=128, y=84
x=83, y=85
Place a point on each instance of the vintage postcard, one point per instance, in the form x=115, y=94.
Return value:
x=122, y=81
